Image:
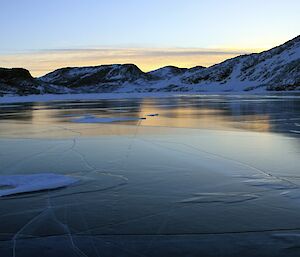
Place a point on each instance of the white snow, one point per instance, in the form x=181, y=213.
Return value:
x=17, y=184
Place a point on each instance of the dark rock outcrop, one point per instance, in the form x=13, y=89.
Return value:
x=17, y=81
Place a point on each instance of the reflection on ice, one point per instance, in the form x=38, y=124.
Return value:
x=93, y=119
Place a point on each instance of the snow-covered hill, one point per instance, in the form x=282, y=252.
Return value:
x=275, y=69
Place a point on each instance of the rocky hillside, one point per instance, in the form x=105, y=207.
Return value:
x=18, y=81
x=275, y=69
x=104, y=76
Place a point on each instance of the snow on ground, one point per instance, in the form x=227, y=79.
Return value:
x=17, y=184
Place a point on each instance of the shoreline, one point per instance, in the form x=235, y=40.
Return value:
x=108, y=96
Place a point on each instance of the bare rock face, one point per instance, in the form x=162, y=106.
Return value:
x=14, y=74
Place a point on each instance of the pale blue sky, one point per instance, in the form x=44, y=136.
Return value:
x=54, y=27
x=41, y=24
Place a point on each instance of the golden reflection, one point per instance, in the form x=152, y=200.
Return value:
x=203, y=117
x=42, y=121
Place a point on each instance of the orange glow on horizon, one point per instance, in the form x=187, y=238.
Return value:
x=42, y=62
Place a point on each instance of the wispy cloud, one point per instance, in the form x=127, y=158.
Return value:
x=42, y=61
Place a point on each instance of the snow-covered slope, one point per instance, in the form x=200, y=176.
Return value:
x=275, y=69
x=167, y=72
x=104, y=78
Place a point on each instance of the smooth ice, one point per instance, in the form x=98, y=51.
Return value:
x=200, y=176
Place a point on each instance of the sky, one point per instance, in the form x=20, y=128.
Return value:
x=42, y=35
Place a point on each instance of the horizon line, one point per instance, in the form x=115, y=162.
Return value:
x=43, y=61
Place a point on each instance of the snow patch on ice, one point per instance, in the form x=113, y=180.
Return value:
x=17, y=184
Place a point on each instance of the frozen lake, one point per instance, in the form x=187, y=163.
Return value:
x=178, y=176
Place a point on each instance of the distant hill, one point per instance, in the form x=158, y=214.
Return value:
x=18, y=81
x=276, y=69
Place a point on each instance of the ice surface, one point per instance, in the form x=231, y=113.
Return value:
x=295, y=131
x=17, y=184
x=157, y=189
x=292, y=194
x=269, y=183
x=135, y=95
x=220, y=197
x=91, y=96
